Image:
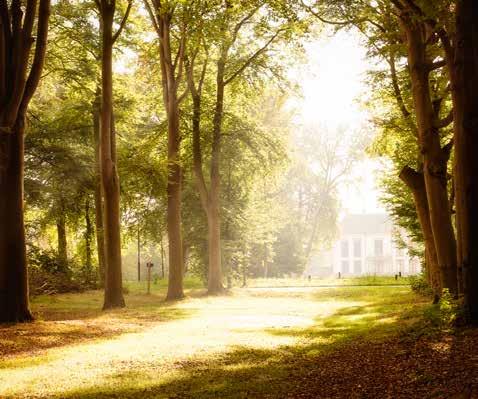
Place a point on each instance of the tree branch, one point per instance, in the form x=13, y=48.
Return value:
x=123, y=21
x=441, y=123
x=411, y=177
x=39, y=57
x=436, y=65
x=241, y=23
x=447, y=149
x=252, y=58
x=153, y=18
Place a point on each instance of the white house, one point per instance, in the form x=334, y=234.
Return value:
x=365, y=246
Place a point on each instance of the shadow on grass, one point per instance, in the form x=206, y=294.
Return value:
x=318, y=365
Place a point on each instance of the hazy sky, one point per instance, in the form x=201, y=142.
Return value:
x=332, y=85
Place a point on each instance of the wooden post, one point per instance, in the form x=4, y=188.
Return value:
x=149, y=265
x=139, y=255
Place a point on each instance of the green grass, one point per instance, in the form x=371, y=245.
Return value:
x=160, y=286
x=245, y=344
x=315, y=281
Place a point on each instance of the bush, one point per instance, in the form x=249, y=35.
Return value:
x=419, y=284
x=49, y=276
x=45, y=283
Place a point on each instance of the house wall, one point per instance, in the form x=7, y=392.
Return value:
x=377, y=255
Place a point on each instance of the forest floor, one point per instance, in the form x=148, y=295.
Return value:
x=306, y=342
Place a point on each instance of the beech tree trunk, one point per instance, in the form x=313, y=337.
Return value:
x=109, y=173
x=172, y=71
x=100, y=241
x=464, y=73
x=416, y=183
x=14, y=303
x=88, y=235
x=62, y=241
x=214, y=282
x=175, y=282
x=20, y=74
x=210, y=198
x=435, y=157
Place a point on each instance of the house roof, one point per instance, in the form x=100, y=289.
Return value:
x=376, y=223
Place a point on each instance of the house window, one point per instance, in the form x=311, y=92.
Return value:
x=379, y=267
x=344, y=248
x=400, y=265
x=358, y=248
x=358, y=267
x=378, y=248
x=345, y=267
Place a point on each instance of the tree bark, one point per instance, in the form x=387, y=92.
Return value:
x=416, y=183
x=175, y=282
x=14, y=303
x=100, y=241
x=19, y=77
x=214, y=219
x=210, y=198
x=109, y=173
x=464, y=74
x=435, y=157
x=214, y=282
x=172, y=70
x=61, y=235
x=88, y=235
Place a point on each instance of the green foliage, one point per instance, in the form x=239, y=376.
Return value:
x=49, y=275
x=419, y=284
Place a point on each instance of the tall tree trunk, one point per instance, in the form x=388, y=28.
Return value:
x=19, y=77
x=62, y=240
x=109, y=173
x=465, y=89
x=100, y=241
x=210, y=199
x=14, y=303
x=434, y=156
x=214, y=282
x=416, y=183
x=171, y=75
x=88, y=235
x=214, y=285
x=175, y=282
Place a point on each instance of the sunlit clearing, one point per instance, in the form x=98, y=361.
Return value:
x=165, y=343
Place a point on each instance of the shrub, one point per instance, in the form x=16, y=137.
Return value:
x=419, y=284
x=49, y=276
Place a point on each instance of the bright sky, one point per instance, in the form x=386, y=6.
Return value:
x=332, y=83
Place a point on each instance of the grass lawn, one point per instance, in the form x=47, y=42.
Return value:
x=251, y=343
x=321, y=282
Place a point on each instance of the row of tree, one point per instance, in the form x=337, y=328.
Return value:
x=427, y=116
x=212, y=142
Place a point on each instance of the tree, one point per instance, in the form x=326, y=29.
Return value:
x=109, y=172
x=18, y=81
x=435, y=156
x=168, y=18
x=73, y=62
x=223, y=44
x=428, y=121
x=465, y=87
